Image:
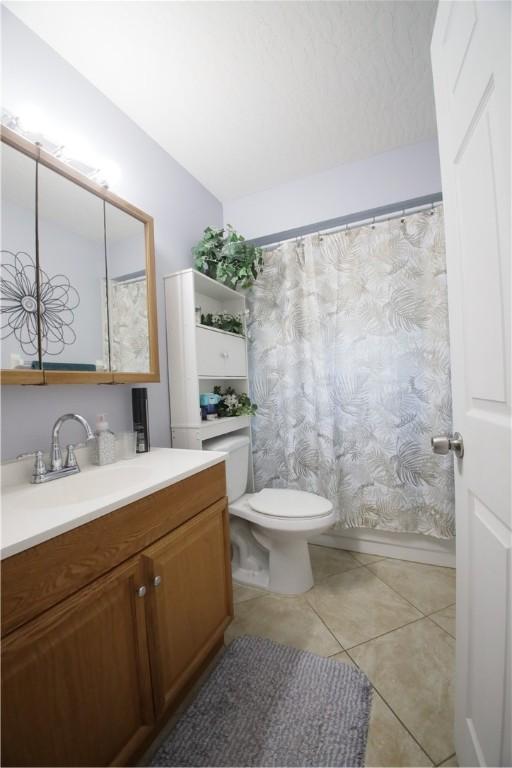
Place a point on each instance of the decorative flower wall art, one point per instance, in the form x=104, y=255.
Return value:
x=18, y=305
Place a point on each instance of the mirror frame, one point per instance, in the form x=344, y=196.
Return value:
x=8, y=376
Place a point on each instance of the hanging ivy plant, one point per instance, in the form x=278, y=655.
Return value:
x=226, y=256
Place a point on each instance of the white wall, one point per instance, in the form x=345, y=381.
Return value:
x=401, y=174
x=33, y=73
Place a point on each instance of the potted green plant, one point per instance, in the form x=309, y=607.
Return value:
x=234, y=404
x=226, y=256
x=225, y=321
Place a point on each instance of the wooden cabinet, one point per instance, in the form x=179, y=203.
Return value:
x=75, y=681
x=190, y=560
x=91, y=679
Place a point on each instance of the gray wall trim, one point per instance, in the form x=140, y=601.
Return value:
x=383, y=210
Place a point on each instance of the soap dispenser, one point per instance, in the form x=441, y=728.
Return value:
x=105, y=445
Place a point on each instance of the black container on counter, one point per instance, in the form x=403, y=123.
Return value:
x=141, y=418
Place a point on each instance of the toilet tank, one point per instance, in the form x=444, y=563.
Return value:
x=237, y=461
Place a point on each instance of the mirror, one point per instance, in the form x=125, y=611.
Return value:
x=128, y=315
x=73, y=270
x=18, y=285
x=77, y=290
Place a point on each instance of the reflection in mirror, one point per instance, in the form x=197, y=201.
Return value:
x=18, y=284
x=72, y=263
x=128, y=297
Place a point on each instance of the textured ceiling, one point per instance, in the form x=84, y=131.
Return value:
x=247, y=95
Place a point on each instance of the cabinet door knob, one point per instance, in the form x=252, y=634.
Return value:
x=141, y=591
x=157, y=581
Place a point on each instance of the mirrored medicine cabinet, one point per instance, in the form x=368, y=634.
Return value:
x=77, y=284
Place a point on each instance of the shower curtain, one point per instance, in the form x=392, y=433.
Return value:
x=350, y=361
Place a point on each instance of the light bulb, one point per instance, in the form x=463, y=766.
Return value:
x=32, y=119
x=77, y=147
x=110, y=171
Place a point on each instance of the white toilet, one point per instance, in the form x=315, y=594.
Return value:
x=270, y=529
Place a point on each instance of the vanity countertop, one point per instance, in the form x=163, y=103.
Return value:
x=32, y=514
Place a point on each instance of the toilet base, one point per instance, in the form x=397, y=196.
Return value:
x=278, y=562
x=289, y=562
x=257, y=579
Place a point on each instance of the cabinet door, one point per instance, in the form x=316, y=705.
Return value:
x=189, y=599
x=75, y=681
x=220, y=355
x=210, y=359
x=235, y=360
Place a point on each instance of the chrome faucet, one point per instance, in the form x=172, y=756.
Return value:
x=42, y=474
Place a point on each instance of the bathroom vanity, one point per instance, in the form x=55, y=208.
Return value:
x=112, y=605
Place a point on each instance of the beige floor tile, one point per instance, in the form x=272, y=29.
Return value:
x=357, y=606
x=241, y=593
x=452, y=761
x=287, y=620
x=445, y=619
x=365, y=559
x=345, y=658
x=412, y=668
x=389, y=743
x=428, y=587
x=326, y=561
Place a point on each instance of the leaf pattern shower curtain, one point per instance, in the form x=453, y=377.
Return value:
x=350, y=360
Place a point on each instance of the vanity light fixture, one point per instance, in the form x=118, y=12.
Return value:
x=74, y=150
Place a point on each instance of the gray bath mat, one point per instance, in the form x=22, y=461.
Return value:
x=271, y=705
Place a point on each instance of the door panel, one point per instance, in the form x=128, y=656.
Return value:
x=192, y=604
x=475, y=176
x=210, y=361
x=75, y=681
x=471, y=67
x=236, y=362
x=220, y=355
x=486, y=646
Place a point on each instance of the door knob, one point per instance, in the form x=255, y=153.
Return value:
x=141, y=591
x=157, y=581
x=443, y=444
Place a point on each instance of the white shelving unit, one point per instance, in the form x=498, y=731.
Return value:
x=200, y=357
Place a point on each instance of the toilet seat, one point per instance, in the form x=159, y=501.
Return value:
x=286, y=503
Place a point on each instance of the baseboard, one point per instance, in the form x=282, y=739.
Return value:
x=403, y=546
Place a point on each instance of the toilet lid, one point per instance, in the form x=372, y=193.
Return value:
x=284, y=502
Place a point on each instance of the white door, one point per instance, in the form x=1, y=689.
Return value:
x=471, y=66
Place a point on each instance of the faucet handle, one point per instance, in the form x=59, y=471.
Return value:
x=22, y=456
x=71, y=457
x=39, y=466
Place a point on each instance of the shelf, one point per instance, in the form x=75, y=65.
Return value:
x=219, y=330
x=223, y=426
x=209, y=287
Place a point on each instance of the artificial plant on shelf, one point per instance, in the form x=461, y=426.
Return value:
x=234, y=404
x=225, y=321
x=225, y=255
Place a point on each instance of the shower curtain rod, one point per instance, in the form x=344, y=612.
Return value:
x=383, y=213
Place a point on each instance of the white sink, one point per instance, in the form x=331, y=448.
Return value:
x=32, y=514
x=91, y=484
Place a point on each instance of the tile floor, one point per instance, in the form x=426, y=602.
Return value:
x=392, y=618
